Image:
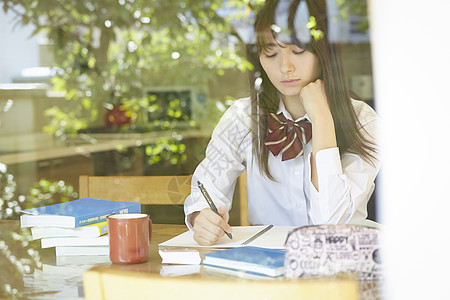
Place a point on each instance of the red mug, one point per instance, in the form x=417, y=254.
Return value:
x=129, y=238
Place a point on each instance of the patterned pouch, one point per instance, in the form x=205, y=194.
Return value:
x=327, y=250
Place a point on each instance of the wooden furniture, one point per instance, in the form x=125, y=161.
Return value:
x=154, y=190
x=243, y=198
x=159, y=190
x=109, y=284
x=62, y=277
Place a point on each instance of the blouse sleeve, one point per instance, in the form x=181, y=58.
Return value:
x=345, y=183
x=223, y=163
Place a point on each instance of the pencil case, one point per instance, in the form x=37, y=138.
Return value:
x=329, y=250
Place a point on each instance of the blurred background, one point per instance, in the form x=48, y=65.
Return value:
x=130, y=87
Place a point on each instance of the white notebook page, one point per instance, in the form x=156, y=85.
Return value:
x=273, y=238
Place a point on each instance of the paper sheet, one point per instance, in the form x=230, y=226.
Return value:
x=274, y=238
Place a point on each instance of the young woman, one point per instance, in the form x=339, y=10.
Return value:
x=308, y=147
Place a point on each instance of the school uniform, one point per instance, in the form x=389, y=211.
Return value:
x=345, y=182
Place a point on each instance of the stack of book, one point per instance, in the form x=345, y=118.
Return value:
x=247, y=262
x=78, y=227
x=255, y=252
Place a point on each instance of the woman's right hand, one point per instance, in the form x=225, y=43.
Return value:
x=209, y=226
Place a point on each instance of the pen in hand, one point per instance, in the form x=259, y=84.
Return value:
x=210, y=203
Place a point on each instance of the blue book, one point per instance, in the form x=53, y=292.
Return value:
x=263, y=261
x=76, y=213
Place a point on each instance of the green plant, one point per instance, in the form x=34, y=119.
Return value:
x=10, y=205
x=166, y=150
x=43, y=192
x=18, y=256
x=25, y=257
x=356, y=8
x=110, y=50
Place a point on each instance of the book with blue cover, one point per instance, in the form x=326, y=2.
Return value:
x=258, y=260
x=76, y=213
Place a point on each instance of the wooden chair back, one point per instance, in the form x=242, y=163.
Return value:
x=154, y=190
x=151, y=190
x=101, y=283
x=243, y=199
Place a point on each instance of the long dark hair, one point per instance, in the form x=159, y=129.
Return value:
x=265, y=97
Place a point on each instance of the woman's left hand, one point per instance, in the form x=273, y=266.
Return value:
x=316, y=106
x=315, y=101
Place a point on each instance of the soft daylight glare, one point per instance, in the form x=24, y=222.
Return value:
x=8, y=105
x=175, y=55
x=132, y=46
x=411, y=94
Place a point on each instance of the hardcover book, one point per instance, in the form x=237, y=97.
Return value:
x=184, y=256
x=92, y=230
x=75, y=241
x=76, y=213
x=83, y=260
x=179, y=270
x=226, y=273
x=82, y=250
x=264, y=261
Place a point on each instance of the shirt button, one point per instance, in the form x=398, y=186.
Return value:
x=299, y=205
x=296, y=173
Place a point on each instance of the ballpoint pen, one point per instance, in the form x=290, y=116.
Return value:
x=210, y=202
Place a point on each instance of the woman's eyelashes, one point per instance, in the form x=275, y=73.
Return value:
x=301, y=51
x=296, y=52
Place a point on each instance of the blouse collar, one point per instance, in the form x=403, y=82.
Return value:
x=282, y=109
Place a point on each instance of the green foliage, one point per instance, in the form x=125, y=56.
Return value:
x=62, y=122
x=18, y=256
x=166, y=150
x=43, y=192
x=26, y=256
x=356, y=8
x=9, y=203
x=109, y=50
x=317, y=34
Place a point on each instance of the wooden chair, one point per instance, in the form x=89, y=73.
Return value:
x=102, y=283
x=151, y=190
x=154, y=190
x=243, y=198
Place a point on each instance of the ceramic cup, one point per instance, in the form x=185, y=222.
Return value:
x=129, y=238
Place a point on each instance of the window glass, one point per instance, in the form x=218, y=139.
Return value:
x=132, y=87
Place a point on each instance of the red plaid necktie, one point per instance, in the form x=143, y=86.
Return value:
x=286, y=136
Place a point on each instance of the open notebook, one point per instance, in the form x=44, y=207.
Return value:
x=273, y=238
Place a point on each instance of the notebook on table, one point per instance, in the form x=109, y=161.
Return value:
x=274, y=238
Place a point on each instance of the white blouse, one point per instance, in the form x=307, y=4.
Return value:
x=345, y=182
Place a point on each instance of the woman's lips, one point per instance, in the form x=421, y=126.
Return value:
x=290, y=82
